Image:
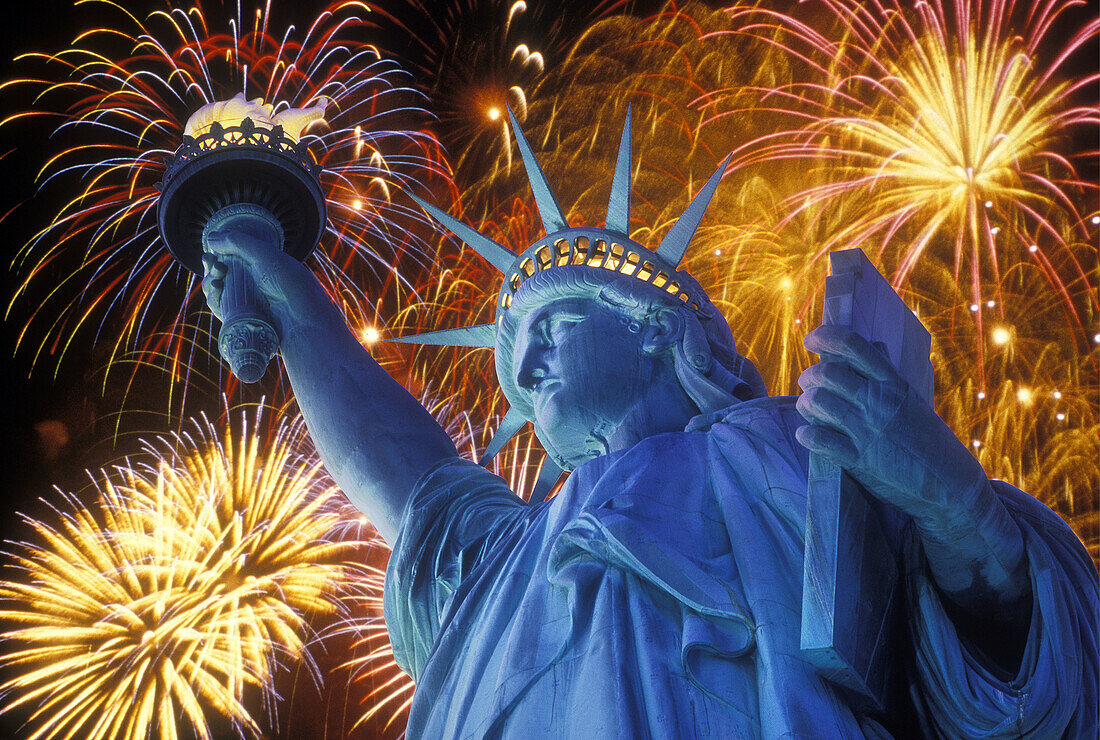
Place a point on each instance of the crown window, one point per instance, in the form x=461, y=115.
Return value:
x=598, y=254
x=616, y=257
x=580, y=251
x=561, y=250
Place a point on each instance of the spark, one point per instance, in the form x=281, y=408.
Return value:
x=473, y=56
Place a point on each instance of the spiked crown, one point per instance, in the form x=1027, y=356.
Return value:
x=609, y=252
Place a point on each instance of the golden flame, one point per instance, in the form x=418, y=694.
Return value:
x=232, y=112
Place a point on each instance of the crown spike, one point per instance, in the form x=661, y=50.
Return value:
x=512, y=422
x=549, y=210
x=676, y=241
x=548, y=476
x=479, y=335
x=618, y=206
x=500, y=256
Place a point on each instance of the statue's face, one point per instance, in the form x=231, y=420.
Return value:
x=583, y=372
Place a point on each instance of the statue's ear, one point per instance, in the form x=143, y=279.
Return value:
x=662, y=332
x=672, y=329
x=675, y=330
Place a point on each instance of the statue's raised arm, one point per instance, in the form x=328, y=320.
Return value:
x=374, y=437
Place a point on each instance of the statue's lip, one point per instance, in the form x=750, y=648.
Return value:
x=542, y=392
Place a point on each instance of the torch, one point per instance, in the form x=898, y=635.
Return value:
x=239, y=163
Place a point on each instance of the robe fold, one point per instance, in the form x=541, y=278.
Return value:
x=658, y=595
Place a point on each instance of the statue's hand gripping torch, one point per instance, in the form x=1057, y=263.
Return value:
x=256, y=177
x=248, y=338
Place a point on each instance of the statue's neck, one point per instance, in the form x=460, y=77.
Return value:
x=665, y=407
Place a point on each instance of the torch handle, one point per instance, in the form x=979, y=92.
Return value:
x=247, y=340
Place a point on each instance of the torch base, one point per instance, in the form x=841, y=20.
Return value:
x=248, y=344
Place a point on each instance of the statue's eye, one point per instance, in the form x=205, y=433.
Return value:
x=560, y=325
x=542, y=332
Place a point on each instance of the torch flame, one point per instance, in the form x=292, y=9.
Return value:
x=231, y=112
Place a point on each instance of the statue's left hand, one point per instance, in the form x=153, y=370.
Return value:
x=866, y=418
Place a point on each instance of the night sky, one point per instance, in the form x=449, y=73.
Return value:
x=32, y=463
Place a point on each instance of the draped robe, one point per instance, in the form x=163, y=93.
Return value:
x=658, y=595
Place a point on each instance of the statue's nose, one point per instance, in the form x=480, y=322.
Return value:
x=532, y=368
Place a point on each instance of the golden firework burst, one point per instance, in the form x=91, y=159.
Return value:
x=168, y=603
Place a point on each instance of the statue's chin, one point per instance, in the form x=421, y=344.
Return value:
x=569, y=446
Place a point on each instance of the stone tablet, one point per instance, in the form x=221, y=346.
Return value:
x=850, y=579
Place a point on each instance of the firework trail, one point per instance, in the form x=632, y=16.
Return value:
x=175, y=598
x=951, y=130
x=119, y=97
x=473, y=58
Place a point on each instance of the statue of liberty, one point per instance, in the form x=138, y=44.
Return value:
x=659, y=594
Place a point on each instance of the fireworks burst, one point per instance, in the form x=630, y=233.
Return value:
x=120, y=96
x=180, y=591
x=943, y=127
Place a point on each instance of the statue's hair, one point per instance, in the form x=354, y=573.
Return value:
x=635, y=301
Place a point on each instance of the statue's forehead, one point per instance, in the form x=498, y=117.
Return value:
x=574, y=307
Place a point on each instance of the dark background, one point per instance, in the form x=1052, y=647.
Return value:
x=30, y=466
